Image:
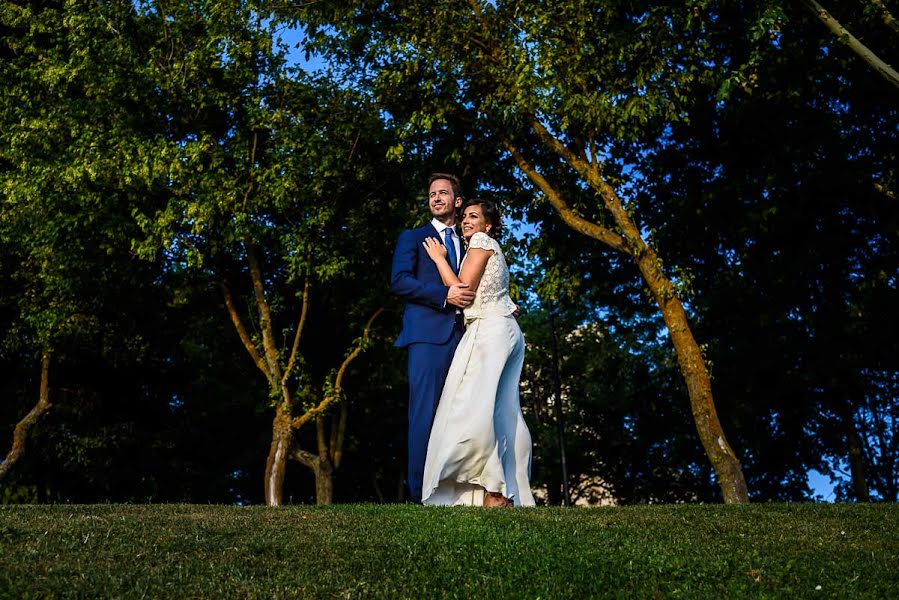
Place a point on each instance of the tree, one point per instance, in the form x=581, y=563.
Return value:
x=774, y=198
x=561, y=86
x=274, y=189
x=186, y=123
x=64, y=223
x=627, y=426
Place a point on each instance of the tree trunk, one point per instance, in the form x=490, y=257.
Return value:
x=323, y=470
x=699, y=385
x=856, y=459
x=629, y=241
x=888, y=446
x=276, y=465
x=324, y=482
x=844, y=387
x=689, y=356
x=560, y=425
x=20, y=434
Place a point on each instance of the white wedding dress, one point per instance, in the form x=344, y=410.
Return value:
x=479, y=439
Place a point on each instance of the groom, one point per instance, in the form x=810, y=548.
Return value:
x=432, y=321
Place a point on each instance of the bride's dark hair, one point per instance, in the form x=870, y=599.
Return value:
x=491, y=215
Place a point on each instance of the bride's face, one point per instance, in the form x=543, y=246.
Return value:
x=473, y=221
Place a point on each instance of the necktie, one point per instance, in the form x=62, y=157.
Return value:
x=450, y=249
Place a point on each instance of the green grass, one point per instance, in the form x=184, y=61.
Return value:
x=350, y=551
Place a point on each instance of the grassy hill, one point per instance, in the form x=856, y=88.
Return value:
x=396, y=551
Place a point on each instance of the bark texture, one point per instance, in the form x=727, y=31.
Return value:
x=276, y=464
x=20, y=433
x=727, y=466
x=865, y=53
x=323, y=470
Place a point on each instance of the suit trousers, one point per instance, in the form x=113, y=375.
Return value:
x=428, y=366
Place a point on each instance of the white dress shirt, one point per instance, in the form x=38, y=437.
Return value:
x=456, y=243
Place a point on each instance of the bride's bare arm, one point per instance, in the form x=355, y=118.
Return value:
x=472, y=270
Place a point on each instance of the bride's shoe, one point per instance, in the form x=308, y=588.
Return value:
x=496, y=500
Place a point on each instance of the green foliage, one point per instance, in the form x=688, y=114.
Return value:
x=174, y=133
x=64, y=214
x=756, y=152
x=626, y=422
x=598, y=74
x=768, y=200
x=802, y=551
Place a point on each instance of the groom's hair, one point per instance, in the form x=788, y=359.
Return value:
x=491, y=214
x=457, y=185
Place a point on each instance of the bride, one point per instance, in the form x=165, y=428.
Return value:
x=479, y=452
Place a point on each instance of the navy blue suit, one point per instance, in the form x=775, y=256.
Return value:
x=430, y=333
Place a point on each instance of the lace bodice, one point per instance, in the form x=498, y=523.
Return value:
x=492, y=297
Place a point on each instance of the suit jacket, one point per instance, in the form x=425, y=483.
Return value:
x=414, y=278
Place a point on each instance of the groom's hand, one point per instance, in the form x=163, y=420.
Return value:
x=459, y=295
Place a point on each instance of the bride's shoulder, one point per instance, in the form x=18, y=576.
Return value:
x=483, y=241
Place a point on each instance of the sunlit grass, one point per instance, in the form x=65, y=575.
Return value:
x=168, y=551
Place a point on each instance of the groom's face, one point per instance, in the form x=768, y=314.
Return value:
x=441, y=200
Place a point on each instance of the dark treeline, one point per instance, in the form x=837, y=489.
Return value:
x=196, y=235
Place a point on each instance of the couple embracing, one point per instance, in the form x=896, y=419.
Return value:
x=468, y=442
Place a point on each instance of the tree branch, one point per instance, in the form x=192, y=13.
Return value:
x=304, y=457
x=246, y=194
x=296, y=338
x=265, y=317
x=20, y=433
x=886, y=15
x=242, y=332
x=337, y=435
x=573, y=220
x=590, y=173
x=883, y=190
x=594, y=160
x=353, y=149
x=338, y=382
x=866, y=54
